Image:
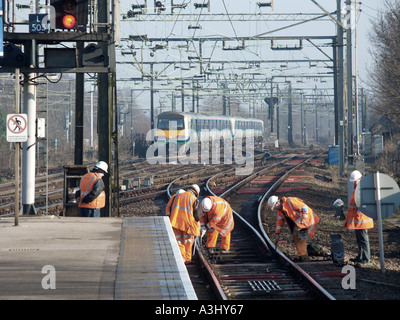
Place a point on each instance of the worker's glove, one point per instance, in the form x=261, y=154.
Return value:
x=338, y=203
x=202, y=231
x=85, y=200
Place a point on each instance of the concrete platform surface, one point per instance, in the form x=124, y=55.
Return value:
x=74, y=258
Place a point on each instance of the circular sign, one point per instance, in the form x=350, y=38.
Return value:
x=365, y=195
x=17, y=128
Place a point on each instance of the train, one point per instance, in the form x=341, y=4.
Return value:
x=183, y=128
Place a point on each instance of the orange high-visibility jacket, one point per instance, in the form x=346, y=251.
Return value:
x=356, y=219
x=220, y=216
x=181, y=214
x=169, y=205
x=301, y=214
x=86, y=186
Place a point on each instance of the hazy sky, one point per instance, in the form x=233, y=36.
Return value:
x=369, y=11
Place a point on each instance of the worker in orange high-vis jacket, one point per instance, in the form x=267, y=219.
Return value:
x=183, y=220
x=217, y=219
x=171, y=202
x=356, y=220
x=91, y=192
x=300, y=218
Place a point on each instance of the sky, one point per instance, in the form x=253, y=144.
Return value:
x=254, y=51
x=369, y=11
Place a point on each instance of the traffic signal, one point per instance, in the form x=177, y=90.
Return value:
x=93, y=55
x=70, y=14
x=13, y=56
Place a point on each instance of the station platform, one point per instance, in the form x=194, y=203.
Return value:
x=74, y=258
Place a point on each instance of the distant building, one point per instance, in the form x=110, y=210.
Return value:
x=384, y=127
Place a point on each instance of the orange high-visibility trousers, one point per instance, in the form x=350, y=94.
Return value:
x=212, y=240
x=300, y=243
x=185, y=244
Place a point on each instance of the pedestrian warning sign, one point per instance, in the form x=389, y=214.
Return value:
x=17, y=130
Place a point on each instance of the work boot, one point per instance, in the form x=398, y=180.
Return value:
x=305, y=258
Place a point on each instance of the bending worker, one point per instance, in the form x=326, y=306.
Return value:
x=217, y=219
x=92, y=196
x=183, y=221
x=356, y=220
x=171, y=202
x=299, y=217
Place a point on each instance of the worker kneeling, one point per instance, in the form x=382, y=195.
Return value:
x=217, y=219
x=300, y=218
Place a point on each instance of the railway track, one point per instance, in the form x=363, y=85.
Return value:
x=254, y=269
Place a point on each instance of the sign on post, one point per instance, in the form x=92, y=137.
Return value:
x=38, y=23
x=378, y=196
x=17, y=127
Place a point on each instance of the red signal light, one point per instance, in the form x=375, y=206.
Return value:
x=69, y=21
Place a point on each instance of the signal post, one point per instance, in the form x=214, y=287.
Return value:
x=69, y=45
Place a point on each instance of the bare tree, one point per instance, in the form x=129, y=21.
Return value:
x=385, y=76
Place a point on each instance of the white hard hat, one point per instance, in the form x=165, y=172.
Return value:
x=101, y=165
x=272, y=201
x=206, y=204
x=355, y=175
x=196, y=188
x=180, y=191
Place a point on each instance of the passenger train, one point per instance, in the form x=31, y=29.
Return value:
x=183, y=128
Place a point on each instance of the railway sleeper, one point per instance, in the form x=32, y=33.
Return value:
x=245, y=277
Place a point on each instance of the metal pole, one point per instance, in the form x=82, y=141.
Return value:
x=277, y=114
x=79, y=111
x=28, y=164
x=272, y=106
x=152, y=97
x=349, y=86
x=301, y=119
x=17, y=146
x=340, y=88
x=290, y=122
x=379, y=216
x=356, y=85
x=91, y=116
x=183, y=97
x=335, y=90
x=104, y=106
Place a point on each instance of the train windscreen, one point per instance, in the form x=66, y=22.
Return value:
x=170, y=124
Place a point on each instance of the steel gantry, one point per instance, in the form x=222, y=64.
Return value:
x=198, y=62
